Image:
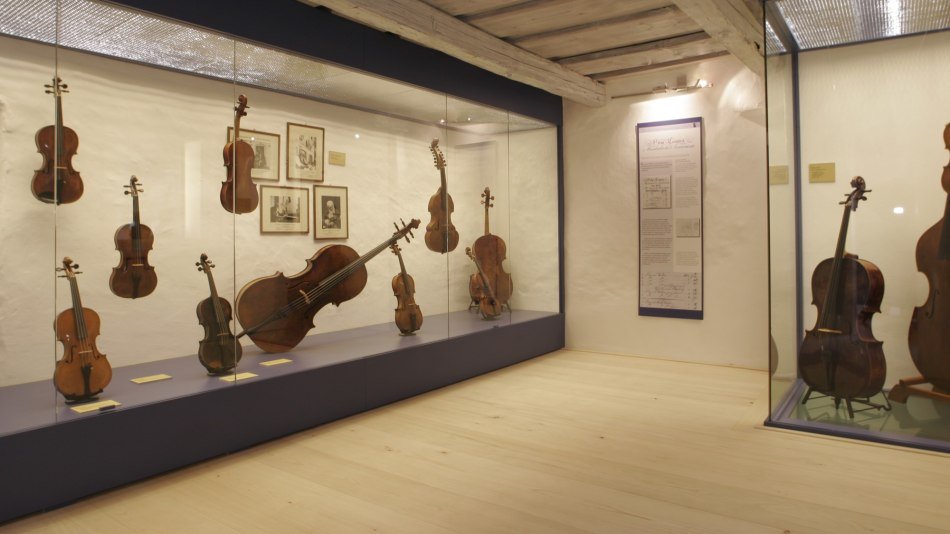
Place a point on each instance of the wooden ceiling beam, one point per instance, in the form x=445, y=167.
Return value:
x=643, y=55
x=735, y=24
x=423, y=24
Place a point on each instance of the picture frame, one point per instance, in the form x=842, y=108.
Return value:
x=331, y=212
x=285, y=210
x=305, y=159
x=266, y=148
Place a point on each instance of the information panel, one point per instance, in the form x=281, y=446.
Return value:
x=670, y=179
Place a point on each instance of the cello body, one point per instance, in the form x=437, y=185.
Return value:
x=490, y=252
x=929, y=334
x=56, y=181
x=258, y=300
x=856, y=357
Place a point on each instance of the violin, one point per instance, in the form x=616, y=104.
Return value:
x=929, y=335
x=133, y=277
x=277, y=311
x=490, y=251
x=481, y=290
x=839, y=357
x=57, y=182
x=238, y=192
x=83, y=372
x=219, y=351
x=441, y=235
x=408, y=314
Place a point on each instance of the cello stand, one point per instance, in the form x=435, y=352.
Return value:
x=905, y=388
x=865, y=401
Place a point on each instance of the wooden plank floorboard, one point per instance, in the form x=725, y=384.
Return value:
x=567, y=442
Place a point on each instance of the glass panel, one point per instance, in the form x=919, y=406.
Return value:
x=872, y=350
x=28, y=283
x=335, y=158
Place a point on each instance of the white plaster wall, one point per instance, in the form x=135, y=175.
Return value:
x=601, y=221
x=877, y=110
x=169, y=130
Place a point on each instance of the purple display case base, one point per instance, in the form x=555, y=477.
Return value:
x=50, y=455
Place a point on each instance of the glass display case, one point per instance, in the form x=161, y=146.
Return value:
x=144, y=207
x=859, y=332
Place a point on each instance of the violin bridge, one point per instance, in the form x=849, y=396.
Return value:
x=829, y=331
x=306, y=298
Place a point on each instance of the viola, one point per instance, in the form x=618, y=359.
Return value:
x=839, y=357
x=83, y=372
x=929, y=335
x=441, y=235
x=408, y=314
x=490, y=252
x=57, y=182
x=277, y=311
x=219, y=351
x=133, y=277
x=238, y=192
x=481, y=290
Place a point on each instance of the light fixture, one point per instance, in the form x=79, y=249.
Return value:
x=357, y=136
x=680, y=88
x=898, y=210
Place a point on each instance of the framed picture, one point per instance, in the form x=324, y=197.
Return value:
x=304, y=152
x=330, y=212
x=285, y=210
x=266, y=153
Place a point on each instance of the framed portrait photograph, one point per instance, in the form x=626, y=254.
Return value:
x=304, y=152
x=285, y=210
x=266, y=148
x=330, y=212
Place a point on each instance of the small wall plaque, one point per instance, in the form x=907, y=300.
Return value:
x=151, y=378
x=778, y=174
x=821, y=173
x=95, y=406
x=337, y=158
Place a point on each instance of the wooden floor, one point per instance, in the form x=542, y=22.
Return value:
x=568, y=442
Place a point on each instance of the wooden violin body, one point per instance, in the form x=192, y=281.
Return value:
x=840, y=357
x=490, y=252
x=238, y=192
x=56, y=181
x=929, y=334
x=441, y=235
x=133, y=277
x=408, y=313
x=83, y=372
x=219, y=351
x=481, y=290
x=277, y=311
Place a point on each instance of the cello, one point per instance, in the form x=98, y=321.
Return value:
x=133, y=277
x=839, y=357
x=929, y=335
x=57, y=182
x=441, y=235
x=408, y=314
x=490, y=252
x=83, y=372
x=219, y=351
x=277, y=311
x=238, y=192
x=480, y=290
